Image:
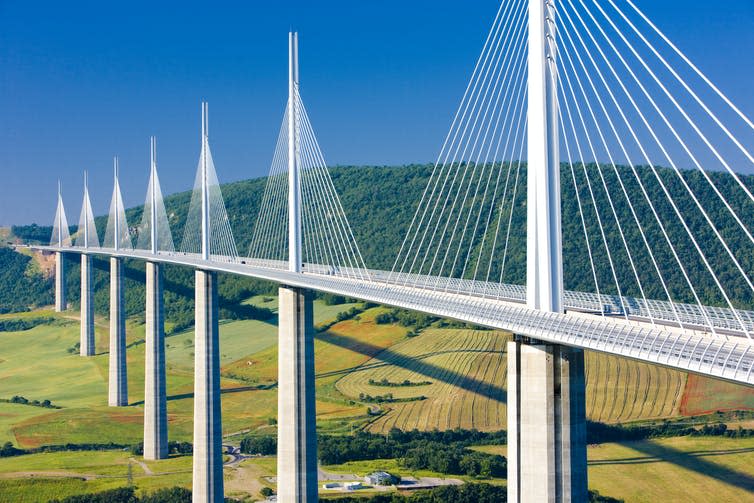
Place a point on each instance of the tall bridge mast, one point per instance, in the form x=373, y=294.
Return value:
x=294, y=184
x=546, y=404
x=544, y=270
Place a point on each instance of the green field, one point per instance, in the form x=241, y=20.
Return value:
x=683, y=469
x=343, y=348
x=686, y=469
x=40, y=477
x=466, y=369
x=36, y=364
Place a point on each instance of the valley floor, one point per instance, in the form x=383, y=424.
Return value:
x=370, y=376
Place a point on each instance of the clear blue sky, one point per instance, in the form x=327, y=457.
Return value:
x=83, y=81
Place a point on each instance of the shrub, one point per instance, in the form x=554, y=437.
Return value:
x=364, y=446
x=259, y=445
x=21, y=324
x=266, y=492
x=119, y=495
x=8, y=450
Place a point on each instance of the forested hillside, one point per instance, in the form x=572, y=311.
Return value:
x=380, y=203
x=22, y=284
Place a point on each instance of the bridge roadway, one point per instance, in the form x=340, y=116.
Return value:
x=726, y=354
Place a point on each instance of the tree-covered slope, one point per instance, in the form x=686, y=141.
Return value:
x=22, y=283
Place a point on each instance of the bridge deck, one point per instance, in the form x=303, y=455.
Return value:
x=501, y=306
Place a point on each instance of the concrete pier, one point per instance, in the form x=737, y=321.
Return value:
x=61, y=302
x=546, y=423
x=155, y=403
x=87, y=307
x=118, y=382
x=208, y=456
x=297, y=433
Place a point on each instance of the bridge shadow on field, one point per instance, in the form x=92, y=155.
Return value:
x=695, y=461
x=223, y=391
x=430, y=370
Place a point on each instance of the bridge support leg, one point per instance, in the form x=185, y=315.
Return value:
x=61, y=303
x=297, y=432
x=208, y=456
x=87, y=308
x=155, y=404
x=546, y=423
x=118, y=382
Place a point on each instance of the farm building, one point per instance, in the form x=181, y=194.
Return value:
x=352, y=486
x=381, y=479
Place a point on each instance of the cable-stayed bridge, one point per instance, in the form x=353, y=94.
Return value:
x=574, y=107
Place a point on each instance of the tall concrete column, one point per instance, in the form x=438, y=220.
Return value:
x=546, y=423
x=208, y=456
x=155, y=400
x=87, y=307
x=118, y=382
x=297, y=432
x=61, y=303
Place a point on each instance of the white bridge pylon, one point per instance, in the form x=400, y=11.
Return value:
x=61, y=235
x=86, y=234
x=207, y=229
x=117, y=234
x=154, y=231
x=323, y=233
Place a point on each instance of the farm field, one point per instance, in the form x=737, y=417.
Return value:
x=620, y=390
x=689, y=469
x=705, y=395
x=462, y=375
x=677, y=469
x=36, y=364
x=467, y=370
x=338, y=351
x=41, y=477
